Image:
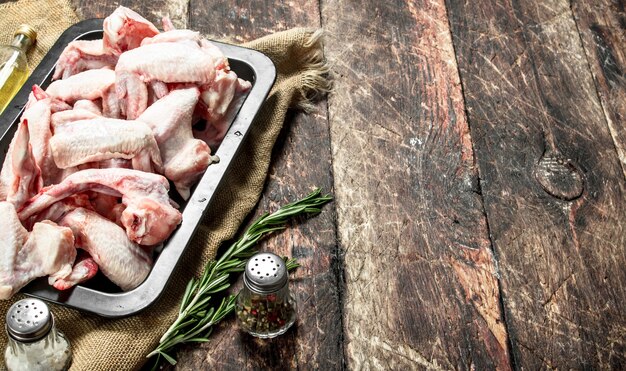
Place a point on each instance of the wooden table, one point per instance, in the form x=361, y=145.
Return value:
x=476, y=150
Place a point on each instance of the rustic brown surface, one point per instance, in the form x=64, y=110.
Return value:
x=543, y=87
x=421, y=284
x=152, y=10
x=602, y=26
x=551, y=181
x=244, y=20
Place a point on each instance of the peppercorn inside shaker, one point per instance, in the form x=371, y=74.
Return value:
x=34, y=342
x=265, y=307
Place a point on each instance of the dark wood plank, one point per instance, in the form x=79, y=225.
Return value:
x=244, y=20
x=602, y=26
x=421, y=281
x=552, y=184
x=301, y=161
x=152, y=10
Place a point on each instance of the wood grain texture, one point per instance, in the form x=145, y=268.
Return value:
x=301, y=162
x=602, y=26
x=243, y=20
x=152, y=10
x=421, y=282
x=552, y=184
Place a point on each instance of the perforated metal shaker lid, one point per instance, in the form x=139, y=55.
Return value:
x=265, y=273
x=29, y=320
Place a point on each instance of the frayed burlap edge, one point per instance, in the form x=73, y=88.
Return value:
x=315, y=81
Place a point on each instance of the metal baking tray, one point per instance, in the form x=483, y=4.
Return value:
x=99, y=295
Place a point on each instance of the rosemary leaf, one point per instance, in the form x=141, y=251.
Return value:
x=290, y=264
x=171, y=360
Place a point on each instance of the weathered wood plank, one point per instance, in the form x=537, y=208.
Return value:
x=152, y=10
x=421, y=282
x=245, y=20
x=552, y=184
x=301, y=161
x=602, y=26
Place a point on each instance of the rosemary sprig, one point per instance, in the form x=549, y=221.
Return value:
x=291, y=263
x=196, y=318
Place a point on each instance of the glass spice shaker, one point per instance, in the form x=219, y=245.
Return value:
x=34, y=342
x=265, y=307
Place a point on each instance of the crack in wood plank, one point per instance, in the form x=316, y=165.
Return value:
x=555, y=255
x=602, y=36
x=425, y=178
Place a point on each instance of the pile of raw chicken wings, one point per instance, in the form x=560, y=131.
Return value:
x=85, y=185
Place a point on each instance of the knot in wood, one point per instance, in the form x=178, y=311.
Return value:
x=559, y=176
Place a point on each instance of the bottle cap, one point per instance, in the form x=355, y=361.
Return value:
x=27, y=31
x=29, y=320
x=265, y=273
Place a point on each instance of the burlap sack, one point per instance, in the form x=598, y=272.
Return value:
x=105, y=344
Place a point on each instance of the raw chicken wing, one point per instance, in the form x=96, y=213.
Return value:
x=84, y=268
x=38, y=113
x=91, y=84
x=65, y=117
x=149, y=217
x=57, y=211
x=82, y=55
x=99, y=139
x=174, y=36
x=184, y=158
x=124, y=29
x=88, y=105
x=12, y=237
x=217, y=100
x=167, y=62
x=20, y=178
x=47, y=250
x=194, y=39
x=217, y=96
x=122, y=261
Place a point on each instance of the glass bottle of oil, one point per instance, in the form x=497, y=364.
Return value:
x=13, y=64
